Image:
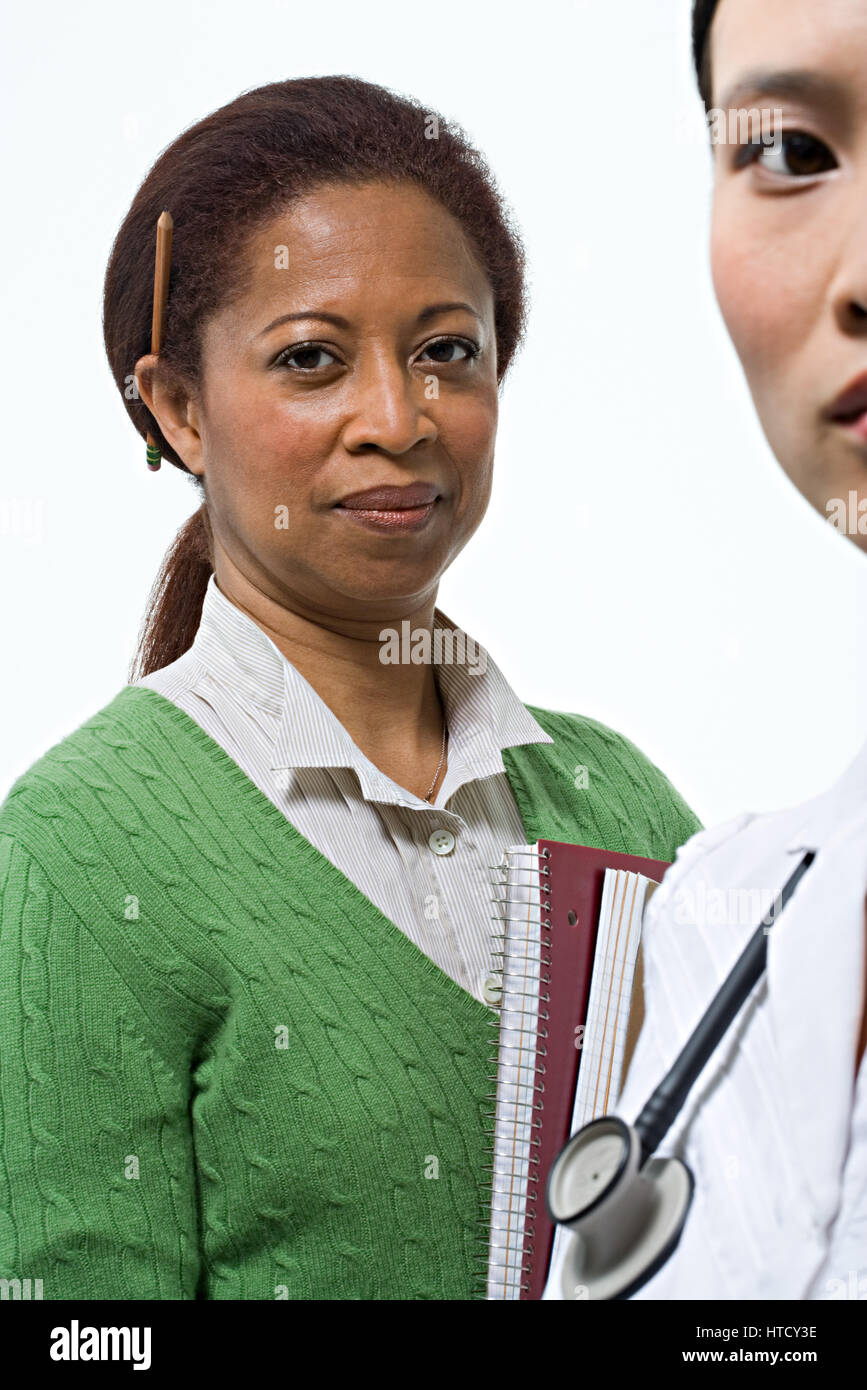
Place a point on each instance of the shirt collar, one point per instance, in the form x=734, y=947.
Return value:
x=483, y=713
x=819, y=819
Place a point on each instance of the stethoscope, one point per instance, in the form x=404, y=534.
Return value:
x=625, y=1209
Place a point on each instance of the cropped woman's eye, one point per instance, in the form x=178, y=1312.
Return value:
x=469, y=349
x=305, y=351
x=795, y=155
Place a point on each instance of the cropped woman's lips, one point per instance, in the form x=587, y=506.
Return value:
x=859, y=426
x=850, y=408
x=393, y=509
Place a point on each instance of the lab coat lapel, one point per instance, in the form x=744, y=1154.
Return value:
x=815, y=982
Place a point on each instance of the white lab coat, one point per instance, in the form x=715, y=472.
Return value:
x=775, y=1128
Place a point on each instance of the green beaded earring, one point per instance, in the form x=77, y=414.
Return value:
x=165, y=226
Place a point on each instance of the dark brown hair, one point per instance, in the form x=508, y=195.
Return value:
x=702, y=19
x=221, y=179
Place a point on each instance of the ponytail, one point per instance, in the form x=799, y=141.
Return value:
x=175, y=602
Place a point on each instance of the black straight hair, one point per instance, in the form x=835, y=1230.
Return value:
x=703, y=12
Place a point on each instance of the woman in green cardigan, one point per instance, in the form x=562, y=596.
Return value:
x=244, y=986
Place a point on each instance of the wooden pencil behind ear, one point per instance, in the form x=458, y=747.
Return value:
x=162, y=266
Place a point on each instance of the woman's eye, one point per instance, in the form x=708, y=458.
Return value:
x=306, y=352
x=793, y=155
x=470, y=350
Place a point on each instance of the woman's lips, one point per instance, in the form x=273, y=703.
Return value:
x=402, y=519
x=388, y=508
x=856, y=425
x=850, y=408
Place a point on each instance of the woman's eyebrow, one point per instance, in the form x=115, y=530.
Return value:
x=791, y=84
x=339, y=322
x=433, y=309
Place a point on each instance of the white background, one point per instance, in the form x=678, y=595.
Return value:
x=644, y=559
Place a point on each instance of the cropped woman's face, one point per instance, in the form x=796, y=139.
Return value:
x=361, y=356
x=789, y=239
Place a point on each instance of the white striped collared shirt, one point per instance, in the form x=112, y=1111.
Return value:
x=240, y=688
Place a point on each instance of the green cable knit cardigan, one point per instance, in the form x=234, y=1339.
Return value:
x=224, y=1073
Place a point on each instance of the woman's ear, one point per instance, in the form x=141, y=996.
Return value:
x=173, y=407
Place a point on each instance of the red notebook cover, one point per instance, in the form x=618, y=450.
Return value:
x=571, y=878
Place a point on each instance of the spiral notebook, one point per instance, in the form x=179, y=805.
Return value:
x=567, y=948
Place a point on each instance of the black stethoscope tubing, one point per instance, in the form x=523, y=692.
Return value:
x=663, y=1107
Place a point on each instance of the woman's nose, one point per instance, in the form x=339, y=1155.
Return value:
x=389, y=408
x=850, y=289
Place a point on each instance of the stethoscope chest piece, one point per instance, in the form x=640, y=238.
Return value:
x=625, y=1216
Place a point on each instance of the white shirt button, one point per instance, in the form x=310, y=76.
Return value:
x=492, y=989
x=441, y=841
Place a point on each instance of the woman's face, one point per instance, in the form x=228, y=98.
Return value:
x=362, y=355
x=789, y=238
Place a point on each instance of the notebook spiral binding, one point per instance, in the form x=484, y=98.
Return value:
x=512, y=1282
